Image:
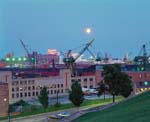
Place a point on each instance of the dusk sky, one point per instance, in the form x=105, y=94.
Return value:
x=118, y=26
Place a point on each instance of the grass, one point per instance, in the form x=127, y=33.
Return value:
x=87, y=103
x=136, y=109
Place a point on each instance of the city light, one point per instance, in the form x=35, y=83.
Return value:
x=13, y=59
x=7, y=59
x=146, y=83
x=19, y=59
x=5, y=99
x=24, y=59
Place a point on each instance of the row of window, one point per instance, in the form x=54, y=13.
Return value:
x=85, y=79
x=33, y=87
x=23, y=82
x=23, y=88
x=29, y=94
x=91, y=86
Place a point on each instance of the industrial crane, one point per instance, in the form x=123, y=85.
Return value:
x=142, y=59
x=69, y=60
x=31, y=57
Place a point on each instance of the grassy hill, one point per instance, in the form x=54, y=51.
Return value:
x=136, y=109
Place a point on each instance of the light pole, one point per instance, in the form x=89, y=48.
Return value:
x=5, y=100
x=57, y=97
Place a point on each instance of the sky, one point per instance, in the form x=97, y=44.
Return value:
x=118, y=26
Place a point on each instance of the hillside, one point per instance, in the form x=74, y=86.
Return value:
x=136, y=109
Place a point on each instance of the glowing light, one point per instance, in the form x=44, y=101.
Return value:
x=7, y=59
x=52, y=51
x=13, y=59
x=5, y=99
x=19, y=59
x=146, y=83
x=24, y=59
x=88, y=30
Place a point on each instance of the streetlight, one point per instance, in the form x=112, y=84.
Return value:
x=57, y=97
x=5, y=100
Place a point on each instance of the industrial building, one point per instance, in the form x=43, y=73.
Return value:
x=27, y=83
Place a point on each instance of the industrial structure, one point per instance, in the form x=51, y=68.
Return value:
x=26, y=75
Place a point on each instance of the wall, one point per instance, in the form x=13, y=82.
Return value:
x=4, y=99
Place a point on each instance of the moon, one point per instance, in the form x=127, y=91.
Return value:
x=88, y=30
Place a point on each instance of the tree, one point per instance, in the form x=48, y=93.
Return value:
x=119, y=83
x=43, y=98
x=75, y=94
x=101, y=88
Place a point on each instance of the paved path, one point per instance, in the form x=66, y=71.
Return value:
x=82, y=112
x=74, y=114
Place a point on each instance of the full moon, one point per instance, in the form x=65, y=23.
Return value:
x=88, y=30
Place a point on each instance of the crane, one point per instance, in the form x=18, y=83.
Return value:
x=31, y=57
x=69, y=60
x=142, y=59
x=25, y=48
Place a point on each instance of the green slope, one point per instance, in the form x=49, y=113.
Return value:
x=136, y=109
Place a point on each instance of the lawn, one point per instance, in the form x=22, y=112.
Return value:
x=136, y=109
x=87, y=103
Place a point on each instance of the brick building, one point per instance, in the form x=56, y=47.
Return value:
x=4, y=99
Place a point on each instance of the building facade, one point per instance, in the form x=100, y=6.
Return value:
x=4, y=99
x=26, y=84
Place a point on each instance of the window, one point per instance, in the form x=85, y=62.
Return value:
x=91, y=86
x=141, y=83
x=13, y=95
x=29, y=88
x=79, y=80
x=13, y=89
x=51, y=91
x=33, y=93
x=20, y=94
x=55, y=91
x=29, y=94
x=58, y=91
x=62, y=91
x=58, y=85
x=17, y=95
x=25, y=94
x=37, y=93
x=61, y=85
x=91, y=79
x=85, y=86
x=85, y=79
x=72, y=80
x=21, y=82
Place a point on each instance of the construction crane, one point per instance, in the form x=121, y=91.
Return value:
x=31, y=57
x=69, y=60
x=142, y=59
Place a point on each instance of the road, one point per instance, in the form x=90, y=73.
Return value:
x=43, y=117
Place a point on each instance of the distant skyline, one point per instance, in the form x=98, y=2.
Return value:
x=118, y=26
